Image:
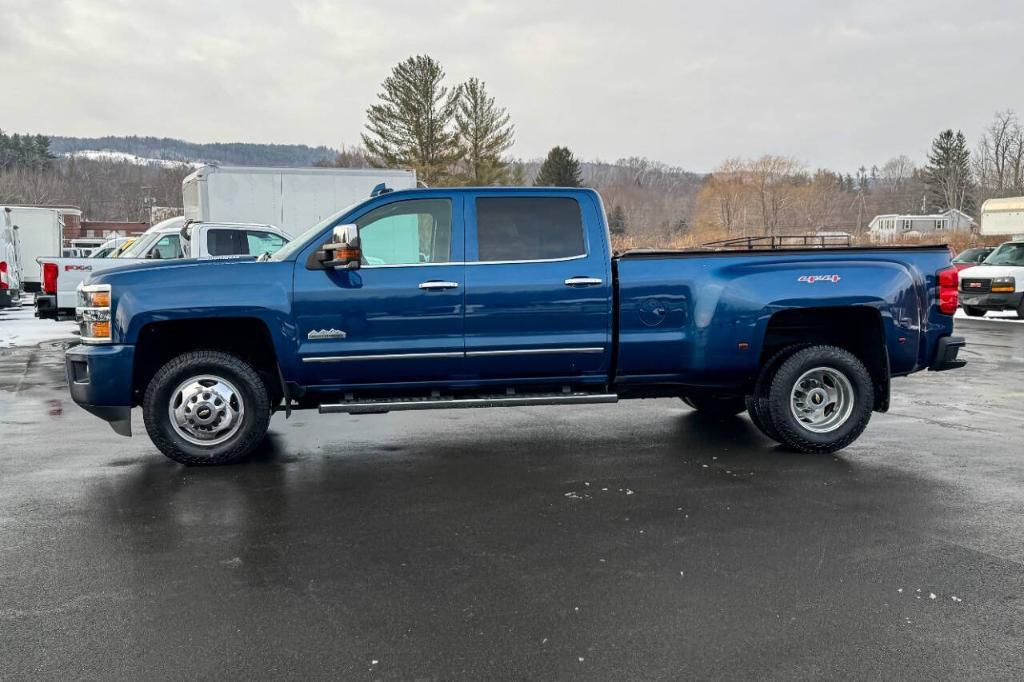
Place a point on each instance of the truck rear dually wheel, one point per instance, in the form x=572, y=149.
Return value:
x=821, y=399
x=757, y=402
x=971, y=311
x=206, y=407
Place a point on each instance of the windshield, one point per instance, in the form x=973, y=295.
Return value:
x=139, y=248
x=101, y=252
x=300, y=242
x=1007, y=254
x=972, y=255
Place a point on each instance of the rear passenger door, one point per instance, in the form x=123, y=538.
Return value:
x=538, y=289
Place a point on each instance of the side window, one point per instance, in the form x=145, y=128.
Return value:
x=226, y=243
x=258, y=243
x=407, y=232
x=528, y=228
x=168, y=246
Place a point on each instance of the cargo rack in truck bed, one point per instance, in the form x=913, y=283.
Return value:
x=781, y=241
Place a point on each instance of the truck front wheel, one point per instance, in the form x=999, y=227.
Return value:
x=821, y=399
x=206, y=407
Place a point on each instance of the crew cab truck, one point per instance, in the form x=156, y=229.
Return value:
x=171, y=239
x=447, y=298
x=997, y=283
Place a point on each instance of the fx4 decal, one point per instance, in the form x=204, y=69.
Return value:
x=811, y=279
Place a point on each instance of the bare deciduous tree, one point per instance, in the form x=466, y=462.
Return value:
x=772, y=176
x=999, y=157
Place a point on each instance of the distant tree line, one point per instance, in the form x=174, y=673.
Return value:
x=223, y=153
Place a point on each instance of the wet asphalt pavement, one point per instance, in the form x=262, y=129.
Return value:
x=635, y=541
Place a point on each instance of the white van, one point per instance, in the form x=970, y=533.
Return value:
x=996, y=284
x=10, y=271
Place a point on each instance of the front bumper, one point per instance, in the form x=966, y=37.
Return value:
x=991, y=301
x=100, y=381
x=946, y=354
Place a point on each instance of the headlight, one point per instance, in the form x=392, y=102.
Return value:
x=1004, y=285
x=93, y=312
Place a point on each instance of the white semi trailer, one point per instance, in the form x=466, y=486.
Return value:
x=292, y=198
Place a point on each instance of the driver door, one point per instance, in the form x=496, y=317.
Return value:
x=398, y=319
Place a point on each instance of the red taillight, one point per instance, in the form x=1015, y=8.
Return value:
x=49, y=278
x=949, y=296
x=4, y=283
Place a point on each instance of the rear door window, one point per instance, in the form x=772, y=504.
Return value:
x=528, y=228
x=226, y=243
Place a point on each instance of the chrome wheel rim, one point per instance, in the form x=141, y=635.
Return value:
x=206, y=410
x=822, y=399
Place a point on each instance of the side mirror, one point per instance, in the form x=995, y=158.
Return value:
x=343, y=251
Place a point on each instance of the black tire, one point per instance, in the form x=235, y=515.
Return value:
x=797, y=435
x=254, y=399
x=971, y=311
x=1020, y=310
x=716, y=406
x=757, y=402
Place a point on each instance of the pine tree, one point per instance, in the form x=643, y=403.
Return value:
x=617, y=220
x=411, y=125
x=560, y=169
x=484, y=134
x=948, y=173
x=41, y=151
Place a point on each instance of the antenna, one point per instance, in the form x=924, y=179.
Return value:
x=382, y=188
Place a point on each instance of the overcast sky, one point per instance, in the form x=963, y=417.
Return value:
x=835, y=84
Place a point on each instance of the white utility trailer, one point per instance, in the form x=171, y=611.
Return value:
x=292, y=198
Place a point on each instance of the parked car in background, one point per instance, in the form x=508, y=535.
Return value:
x=10, y=271
x=174, y=239
x=496, y=297
x=112, y=247
x=995, y=284
x=970, y=257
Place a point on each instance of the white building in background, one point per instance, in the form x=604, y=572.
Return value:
x=893, y=227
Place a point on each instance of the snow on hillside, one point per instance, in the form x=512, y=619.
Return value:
x=124, y=157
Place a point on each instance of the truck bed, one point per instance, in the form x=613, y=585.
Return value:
x=702, y=317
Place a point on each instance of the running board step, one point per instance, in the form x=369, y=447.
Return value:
x=381, y=406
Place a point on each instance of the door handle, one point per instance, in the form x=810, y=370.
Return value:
x=583, y=281
x=436, y=284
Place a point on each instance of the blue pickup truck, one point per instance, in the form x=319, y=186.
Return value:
x=446, y=298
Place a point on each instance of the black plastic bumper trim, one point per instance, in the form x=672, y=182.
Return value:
x=946, y=354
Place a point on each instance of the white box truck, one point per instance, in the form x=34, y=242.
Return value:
x=38, y=233
x=1003, y=217
x=292, y=198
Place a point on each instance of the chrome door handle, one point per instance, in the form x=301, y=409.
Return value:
x=436, y=284
x=582, y=281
